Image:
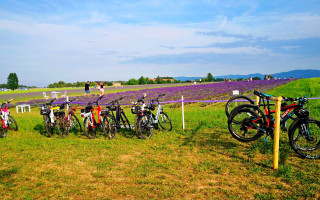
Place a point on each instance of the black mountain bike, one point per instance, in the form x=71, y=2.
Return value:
x=116, y=118
x=248, y=122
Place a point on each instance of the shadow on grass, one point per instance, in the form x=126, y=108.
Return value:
x=6, y=176
x=40, y=128
x=204, y=139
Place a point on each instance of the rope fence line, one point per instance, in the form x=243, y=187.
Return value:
x=179, y=101
x=168, y=102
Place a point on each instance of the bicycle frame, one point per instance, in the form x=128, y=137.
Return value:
x=93, y=119
x=285, y=116
x=288, y=110
x=4, y=115
x=91, y=115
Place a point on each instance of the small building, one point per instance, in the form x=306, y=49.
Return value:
x=116, y=84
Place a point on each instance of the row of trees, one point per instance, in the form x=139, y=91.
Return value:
x=141, y=81
x=13, y=81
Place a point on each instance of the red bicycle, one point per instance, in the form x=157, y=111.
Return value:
x=7, y=121
x=90, y=123
x=248, y=122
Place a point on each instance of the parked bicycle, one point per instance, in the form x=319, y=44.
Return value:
x=7, y=121
x=148, y=121
x=50, y=117
x=138, y=108
x=236, y=101
x=68, y=122
x=117, y=119
x=248, y=122
x=90, y=123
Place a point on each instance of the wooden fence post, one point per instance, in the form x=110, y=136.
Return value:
x=182, y=103
x=276, y=132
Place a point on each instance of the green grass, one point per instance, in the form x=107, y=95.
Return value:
x=201, y=162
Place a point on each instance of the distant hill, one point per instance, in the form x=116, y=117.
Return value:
x=308, y=73
x=184, y=78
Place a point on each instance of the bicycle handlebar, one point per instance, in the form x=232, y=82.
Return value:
x=302, y=100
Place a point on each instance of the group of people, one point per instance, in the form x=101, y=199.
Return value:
x=87, y=88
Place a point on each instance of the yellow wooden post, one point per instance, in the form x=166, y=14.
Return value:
x=257, y=100
x=276, y=132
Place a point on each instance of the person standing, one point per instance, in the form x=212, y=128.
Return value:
x=101, y=89
x=87, y=88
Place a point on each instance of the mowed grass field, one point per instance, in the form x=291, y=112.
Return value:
x=201, y=162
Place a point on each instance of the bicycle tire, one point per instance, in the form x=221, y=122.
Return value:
x=89, y=129
x=145, y=127
x=3, y=131
x=13, y=125
x=165, y=121
x=236, y=101
x=74, y=124
x=136, y=125
x=62, y=127
x=246, y=123
x=125, y=121
x=304, y=138
x=47, y=125
x=109, y=127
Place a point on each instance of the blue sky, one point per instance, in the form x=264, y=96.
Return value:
x=46, y=41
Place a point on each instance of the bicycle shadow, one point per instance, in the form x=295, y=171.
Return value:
x=40, y=128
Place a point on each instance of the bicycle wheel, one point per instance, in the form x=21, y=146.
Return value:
x=3, y=131
x=165, y=122
x=12, y=125
x=145, y=127
x=236, y=101
x=62, y=127
x=125, y=121
x=89, y=128
x=246, y=123
x=136, y=125
x=47, y=125
x=109, y=127
x=74, y=125
x=304, y=138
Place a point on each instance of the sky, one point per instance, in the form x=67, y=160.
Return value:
x=46, y=41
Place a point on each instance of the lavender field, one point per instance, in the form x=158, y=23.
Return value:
x=208, y=91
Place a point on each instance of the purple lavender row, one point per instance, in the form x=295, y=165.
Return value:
x=200, y=92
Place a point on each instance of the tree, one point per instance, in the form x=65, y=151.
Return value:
x=133, y=82
x=159, y=80
x=142, y=80
x=13, y=82
x=209, y=77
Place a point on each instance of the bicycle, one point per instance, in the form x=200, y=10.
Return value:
x=248, y=122
x=68, y=122
x=50, y=117
x=148, y=121
x=89, y=122
x=120, y=119
x=138, y=110
x=236, y=101
x=7, y=121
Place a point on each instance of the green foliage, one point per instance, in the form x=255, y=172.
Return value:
x=268, y=76
x=142, y=80
x=209, y=78
x=133, y=81
x=256, y=78
x=159, y=80
x=219, y=79
x=13, y=81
